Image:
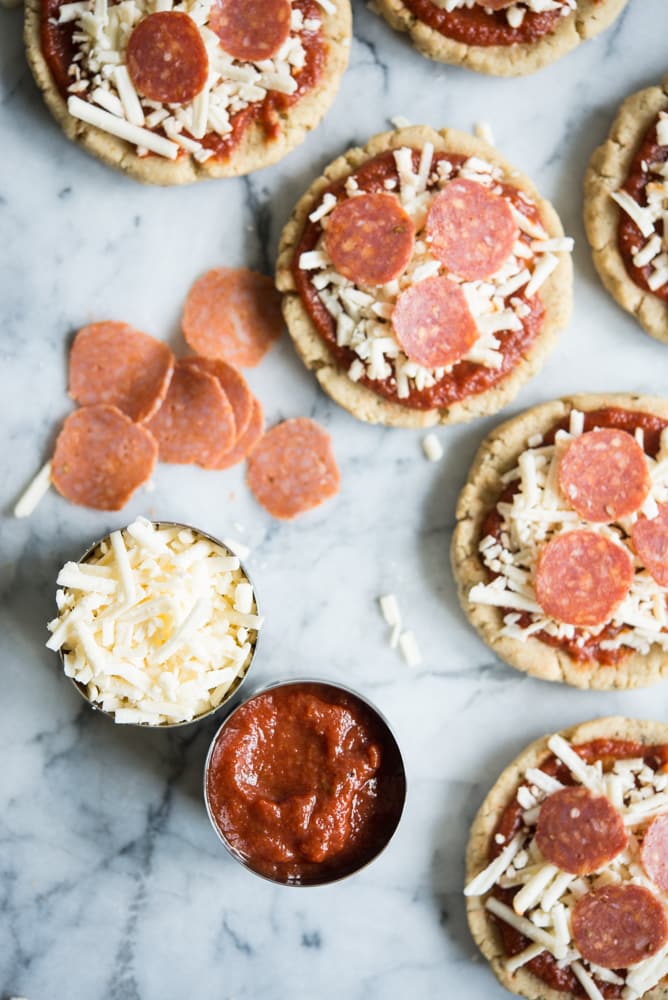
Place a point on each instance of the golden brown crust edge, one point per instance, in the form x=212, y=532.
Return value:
x=497, y=454
x=364, y=404
x=483, y=928
x=252, y=153
x=502, y=60
x=607, y=171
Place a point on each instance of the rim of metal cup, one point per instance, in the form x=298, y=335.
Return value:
x=238, y=681
x=323, y=682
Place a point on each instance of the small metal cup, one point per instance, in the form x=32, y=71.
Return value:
x=236, y=684
x=328, y=876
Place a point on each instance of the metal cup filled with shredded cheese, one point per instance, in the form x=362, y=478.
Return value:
x=157, y=624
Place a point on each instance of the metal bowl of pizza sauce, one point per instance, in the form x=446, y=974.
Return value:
x=234, y=763
x=253, y=639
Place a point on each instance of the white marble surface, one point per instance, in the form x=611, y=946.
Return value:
x=112, y=884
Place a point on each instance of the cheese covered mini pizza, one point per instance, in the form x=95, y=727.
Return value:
x=502, y=37
x=561, y=546
x=424, y=278
x=567, y=865
x=626, y=209
x=175, y=92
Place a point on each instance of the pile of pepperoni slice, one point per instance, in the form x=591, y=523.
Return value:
x=139, y=404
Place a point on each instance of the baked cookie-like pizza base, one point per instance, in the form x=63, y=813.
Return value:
x=253, y=151
x=362, y=402
x=607, y=172
x=483, y=928
x=497, y=455
x=590, y=18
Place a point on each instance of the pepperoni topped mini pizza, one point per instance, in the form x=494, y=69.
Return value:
x=567, y=865
x=502, y=37
x=626, y=209
x=561, y=546
x=424, y=278
x=175, y=92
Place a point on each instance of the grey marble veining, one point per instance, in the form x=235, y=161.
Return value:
x=112, y=884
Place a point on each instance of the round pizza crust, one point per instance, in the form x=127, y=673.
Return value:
x=590, y=18
x=251, y=153
x=607, y=171
x=497, y=454
x=481, y=924
x=363, y=403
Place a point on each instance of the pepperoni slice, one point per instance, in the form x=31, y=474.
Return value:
x=582, y=577
x=650, y=540
x=195, y=424
x=293, y=468
x=579, y=832
x=471, y=231
x=101, y=457
x=654, y=854
x=370, y=239
x=116, y=364
x=603, y=474
x=248, y=440
x=167, y=59
x=252, y=30
x=433, y=323
x=619, y=925
x=234, y=315
x=233, y=384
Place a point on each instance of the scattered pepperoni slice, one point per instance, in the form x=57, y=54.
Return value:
x=370, y=238
x=195, y=424
x=654, y=854
x=244, y=444
x=116, y=364
x=603, y=474
x=433, y=323
x=618, y=925
x=233, y=384
x=470, y=229
x=582, y=577
x=234, y=315
x=293, y=468
x=650, y=540
x=167, y=59
x=579, y=832
x=101, y=457
x=252, y=30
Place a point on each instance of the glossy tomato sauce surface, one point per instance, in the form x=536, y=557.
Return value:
x=305, y=783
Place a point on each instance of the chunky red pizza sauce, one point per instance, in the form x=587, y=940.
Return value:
x=627, y=420
x=59, y=50
x=305, y=784
x=545, y=966
x=629, y=237
x=466, y=378
x=474, y=26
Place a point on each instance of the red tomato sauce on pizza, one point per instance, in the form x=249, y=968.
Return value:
x=475, y=26
x=59, y=49
x=545, y=966
x=629, y=237
x=627, y=420
x=466, y=378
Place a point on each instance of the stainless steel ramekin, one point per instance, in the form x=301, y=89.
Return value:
x=236, y=684
x=330, y=876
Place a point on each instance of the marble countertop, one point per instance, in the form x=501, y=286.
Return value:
x=112, y=883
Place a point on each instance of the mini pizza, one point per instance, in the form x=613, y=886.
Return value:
x=567, y=865
x=626, y=209
x=501, y=37
x=424, y=278
x=175, y=92
x=561, y=547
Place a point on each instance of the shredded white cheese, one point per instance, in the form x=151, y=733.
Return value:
x=34, y=493
x=156, y=625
